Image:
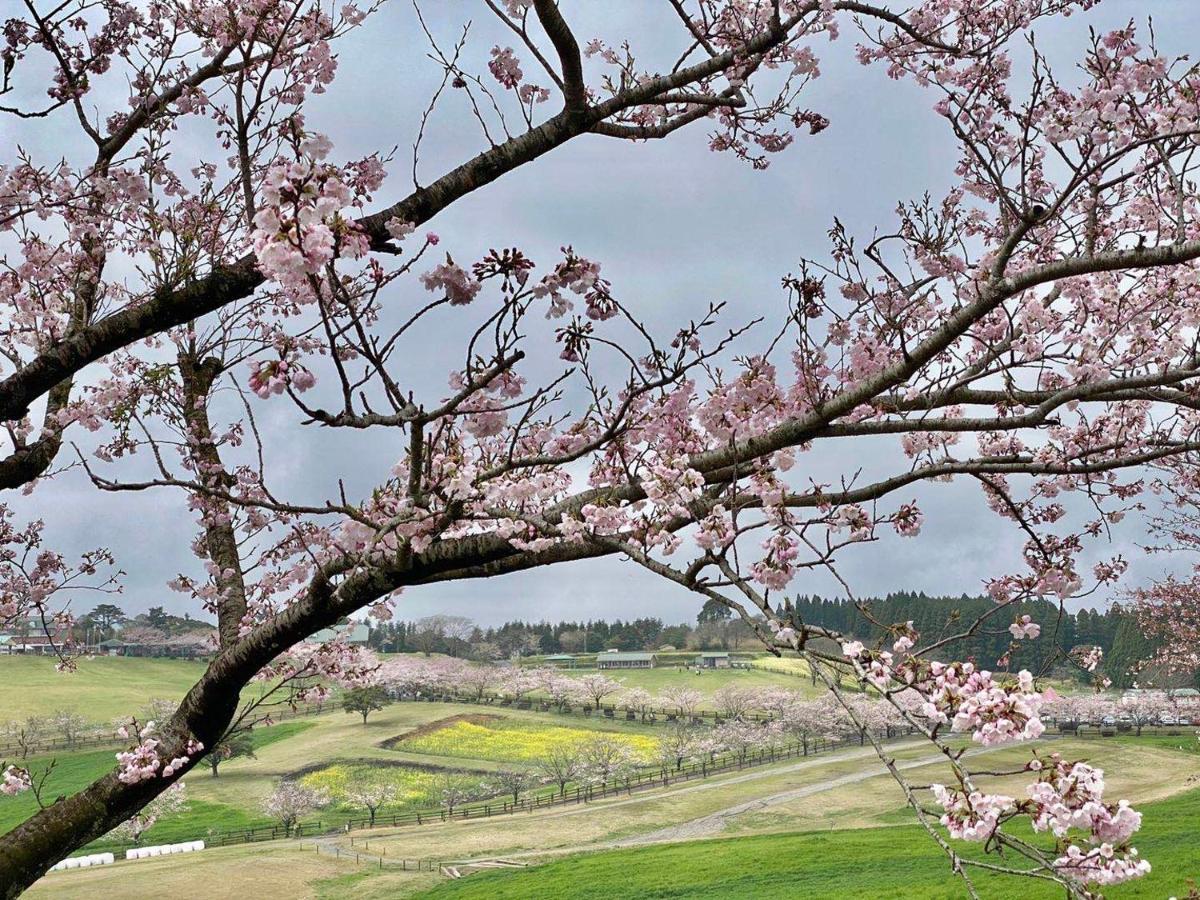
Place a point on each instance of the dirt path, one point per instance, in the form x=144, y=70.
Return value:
x=714, y=823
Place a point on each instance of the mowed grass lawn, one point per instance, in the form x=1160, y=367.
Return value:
x=101, y=689
x=900, y=862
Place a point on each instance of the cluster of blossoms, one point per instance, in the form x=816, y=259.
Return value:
x=1025, y=627
x=191, y=751
x=972, y=700
x=1071, y=796
x=455, y=282
x=139, y=764
x=778, y=565
x=275, y=376
x=506, y=69
x=973, y=816
x=15, y=780
x=298, y=228
x=310, y=669
x=957, y=694
x=580, y=276
x=1066, y=797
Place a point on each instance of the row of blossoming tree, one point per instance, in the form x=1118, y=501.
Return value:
x=199, y=253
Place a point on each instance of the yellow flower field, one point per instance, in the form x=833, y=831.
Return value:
x=413, y=787
x=516, y=742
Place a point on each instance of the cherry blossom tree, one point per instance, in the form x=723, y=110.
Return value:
x=606, y=760
x=515, y=782
x=290, y=802
x=595, y=686
x=478, y=680
x=637, y=700
x=371, y=796
x=1144, y=707
x=516, y=683
x=743, y=738
x=735, y=701
x=561, y=764
x=682, y=701
x=559, y=688
x=677, y=744
x=455, y=789
x=1030, y=330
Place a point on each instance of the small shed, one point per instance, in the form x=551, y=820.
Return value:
x=713, y=660
x=112, y=647
x=618, y=660
x=561, y=660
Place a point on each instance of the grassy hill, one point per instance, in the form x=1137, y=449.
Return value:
x=102, y=688
x=899, y=862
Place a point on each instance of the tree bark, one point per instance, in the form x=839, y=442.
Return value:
x=219, y=538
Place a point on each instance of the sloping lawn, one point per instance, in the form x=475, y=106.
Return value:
x=102, y=689
x=896, y=862
x=74, y=771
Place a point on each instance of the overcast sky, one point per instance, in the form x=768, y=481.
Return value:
x=675, y=226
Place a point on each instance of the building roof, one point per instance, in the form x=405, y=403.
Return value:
x=1185, y=692
x=617, y=656
x=28, y=640
x=356, y=633
x=717, y=653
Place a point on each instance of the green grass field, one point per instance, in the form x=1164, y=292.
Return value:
x=102, y=689
x=899, y=862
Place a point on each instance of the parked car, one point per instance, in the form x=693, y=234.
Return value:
x=1167, y=719
x=1109, y=720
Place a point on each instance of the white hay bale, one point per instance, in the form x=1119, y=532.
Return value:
x=71, y=863
x=198, y=845
x=132, y=853
x=84, y=862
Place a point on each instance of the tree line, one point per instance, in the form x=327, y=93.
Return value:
x=1114, y=630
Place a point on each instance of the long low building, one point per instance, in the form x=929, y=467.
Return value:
x=614, y=659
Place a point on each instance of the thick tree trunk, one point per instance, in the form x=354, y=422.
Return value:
x=219, y=538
